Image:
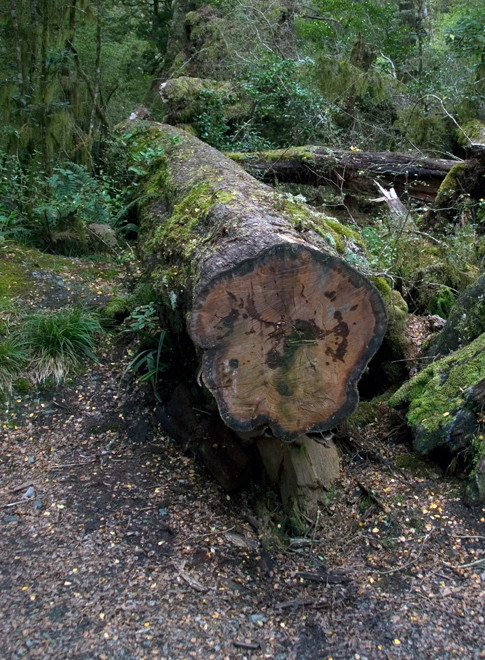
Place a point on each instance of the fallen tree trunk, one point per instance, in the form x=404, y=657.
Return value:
x=460, y=195
x=284, y=325
x=349, y=171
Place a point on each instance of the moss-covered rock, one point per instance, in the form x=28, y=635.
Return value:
x=445, y=401
x=465, y=323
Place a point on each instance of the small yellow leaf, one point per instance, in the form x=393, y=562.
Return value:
x=397, y=642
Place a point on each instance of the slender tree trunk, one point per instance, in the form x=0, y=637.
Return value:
x=155, y=20
x=18, y=48
x=44, y=85
x=35, y=23
x=97, y=74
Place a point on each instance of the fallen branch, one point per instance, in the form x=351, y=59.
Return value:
x=16, y=489
x=66, y=465
x=251, y=646
x=190, y=580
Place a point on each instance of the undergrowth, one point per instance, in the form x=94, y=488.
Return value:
x=47, y=345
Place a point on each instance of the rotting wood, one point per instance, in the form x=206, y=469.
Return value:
x=284, y=324
x=349, y=171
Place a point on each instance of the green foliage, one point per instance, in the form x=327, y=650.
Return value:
x=154, y=346
x=47, y=345
x=13, y=358
x=53, y=212
x=288, y=109
x=58, y=343
x=442, y=302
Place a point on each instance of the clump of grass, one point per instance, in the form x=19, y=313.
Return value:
x=58, y=343
x=13, y=359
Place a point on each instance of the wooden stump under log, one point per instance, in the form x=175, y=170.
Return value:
x=284, y=326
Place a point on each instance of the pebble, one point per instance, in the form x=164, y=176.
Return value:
x=38, y=505
x=254, y=618
x=10, y=518
x=30, y=492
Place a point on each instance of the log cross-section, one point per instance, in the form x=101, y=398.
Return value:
x=285, y=325
x=287, y=335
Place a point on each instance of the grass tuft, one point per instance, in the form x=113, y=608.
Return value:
x=58, y=343
x=13, y=359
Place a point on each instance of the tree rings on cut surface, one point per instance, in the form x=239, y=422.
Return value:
x=286, y=336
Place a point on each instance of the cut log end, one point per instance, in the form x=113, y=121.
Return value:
x=286, y=336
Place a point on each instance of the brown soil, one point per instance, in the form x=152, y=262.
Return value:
x=126, y=548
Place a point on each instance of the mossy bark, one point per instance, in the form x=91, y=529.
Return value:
x=465, y=323
x=286, y=327
x=350, y=171
x=464, y=185
x=185, y=98
x=445, y=405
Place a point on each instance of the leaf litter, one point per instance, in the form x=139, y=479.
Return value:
x=126, y=548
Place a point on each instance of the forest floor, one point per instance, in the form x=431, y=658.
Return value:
x=116, y=544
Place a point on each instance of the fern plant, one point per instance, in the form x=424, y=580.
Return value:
x=151, y=359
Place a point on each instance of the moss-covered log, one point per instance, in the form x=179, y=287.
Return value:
x=460, y=195
x=185, y=98
x=465, y=323
x=445, y=411
x=350, y=171
x=284, y=324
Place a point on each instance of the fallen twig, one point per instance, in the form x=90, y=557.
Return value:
x=300, y=602
x=247, y=645
x=371, y=495
x=15, y=489
x=6, y=506
x=338, y=577
x=66, y=465
x=472, y=563
x=190, y=580
x=411, y=562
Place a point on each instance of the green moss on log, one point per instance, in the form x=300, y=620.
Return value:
x=392, y=354
x=441, y=394
x=176, y=223
x=451, y=182
x=466, y=320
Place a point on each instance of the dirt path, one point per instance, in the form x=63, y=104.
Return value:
x=127, y=549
